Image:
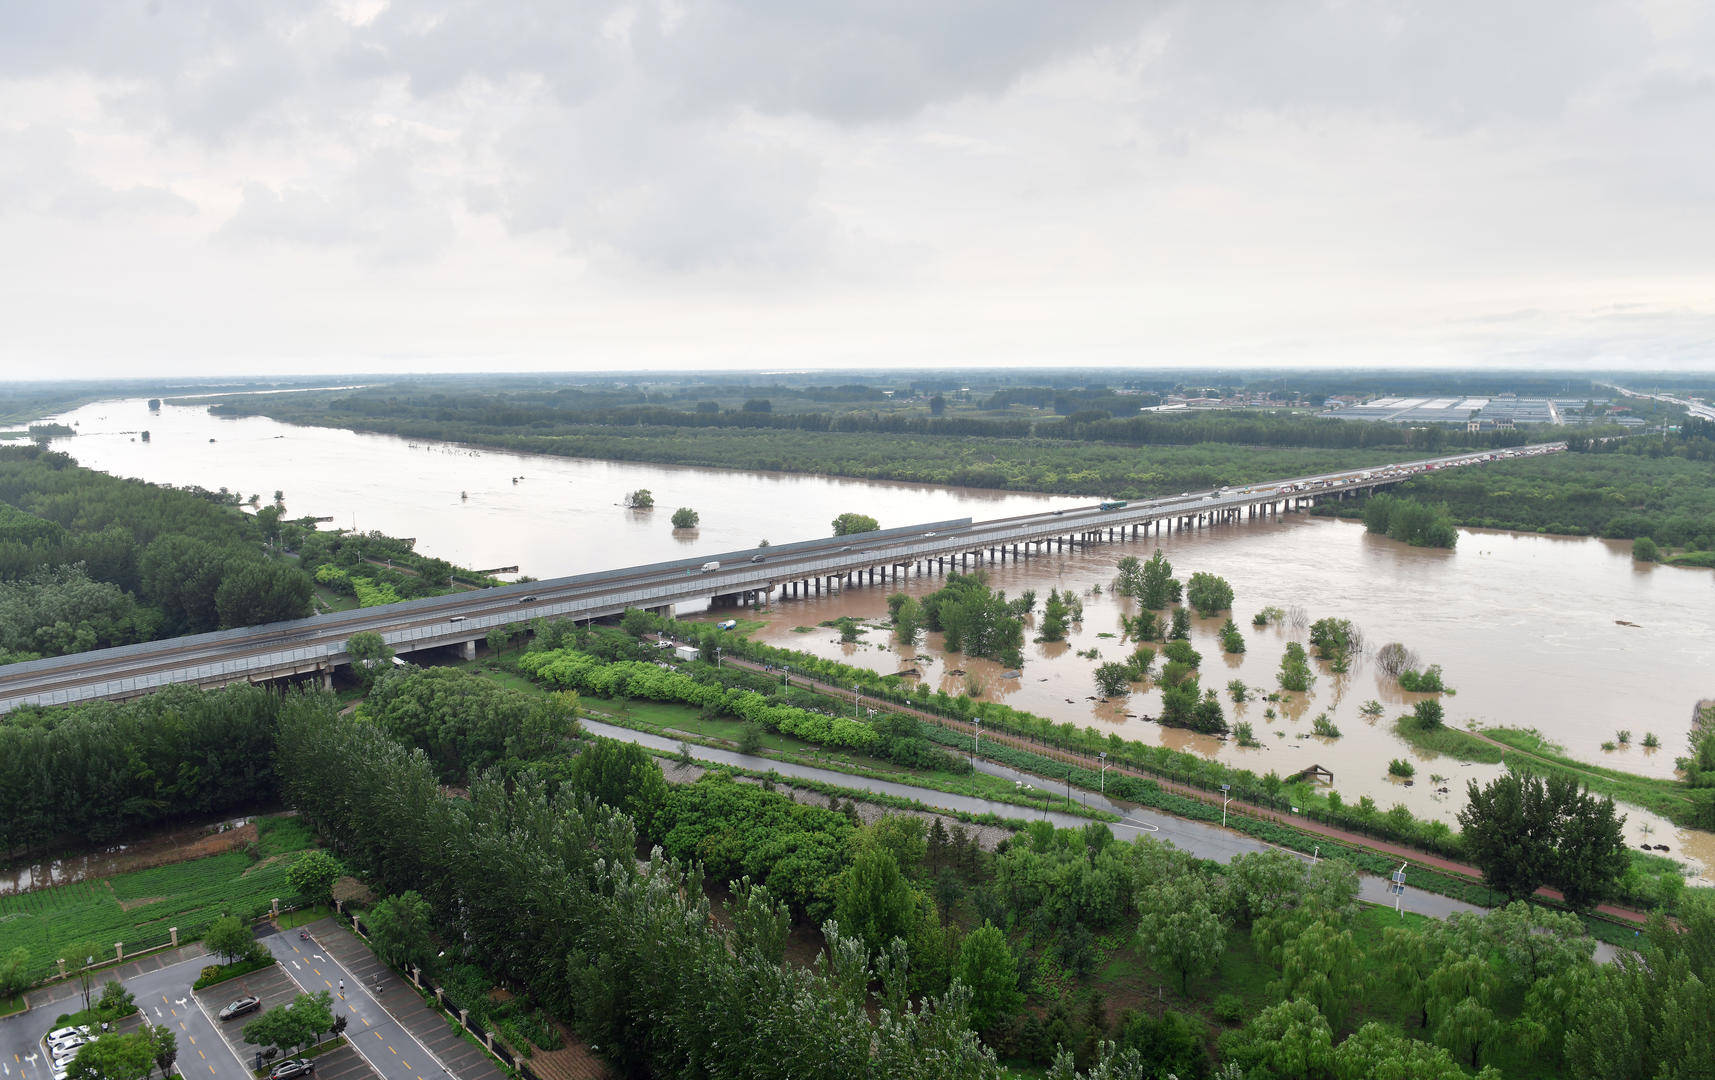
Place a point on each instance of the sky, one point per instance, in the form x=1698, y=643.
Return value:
x=194, y=187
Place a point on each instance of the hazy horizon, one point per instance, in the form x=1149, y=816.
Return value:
x=437, y=187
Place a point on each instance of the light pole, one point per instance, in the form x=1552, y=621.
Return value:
x=717, y=656
x=1226, y=797
x=978, y=744
x=854, y=701
x=1398, y=888
x=1103, y=754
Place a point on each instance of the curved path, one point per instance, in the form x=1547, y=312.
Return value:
x=1201, y=839
x=1297, y=821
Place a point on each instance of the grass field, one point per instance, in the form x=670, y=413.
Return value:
x=1668, y=798
x=674, y=720
x=1452, y=742
x=140, y=908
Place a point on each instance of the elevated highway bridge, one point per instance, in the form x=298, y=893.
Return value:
x=315, y=646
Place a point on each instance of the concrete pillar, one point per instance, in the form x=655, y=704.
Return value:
x=327, y=677
x=417, y=977
x=173, y=935
x=62, y=964
x=464, y=1019
x=468, y=650
x=274, y=907
x=118, y=950
x=439, y=996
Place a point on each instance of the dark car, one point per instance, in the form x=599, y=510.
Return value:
x=292, y=1067
x=527, y=599
x=247, y=1004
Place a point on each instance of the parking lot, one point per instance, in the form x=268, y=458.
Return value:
x=397, y=1039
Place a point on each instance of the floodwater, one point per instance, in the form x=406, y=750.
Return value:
x=1565, y=635
x=157, y=849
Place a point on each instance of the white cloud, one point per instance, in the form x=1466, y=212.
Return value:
x=691, y=182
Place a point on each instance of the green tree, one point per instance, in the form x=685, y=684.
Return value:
x=1379, y=1051
x=621, y=775
x=1208, y=594
x=114, y=1057
x=641, y=499
x=370, y=656
x=399, y=928
x=1159, y=587
x=1646, y=1015
x=1112, y=680
x=1320, y=963
x=1645, y=550
x=987, y=967
x=15, y=976
x=315, y=1013
x=873, y=902
x=252, y=593
x=1288, y=1041
x=1428, y=714
x=312, y=876
x=849, y=524
x=82, y=958
x=937, y=404
x=1181, y=630
x=164, y=1048
x=908, y=620
x=1178, y=927
x=116, y=1002
x=1523, y=831
x=685, y=518
x=282, y=1028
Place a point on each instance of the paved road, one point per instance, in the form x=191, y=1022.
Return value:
x=383, y=1042
x=163, y=993
x=1201, y=839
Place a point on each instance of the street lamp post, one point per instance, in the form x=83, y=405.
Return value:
x=1226, y=797
x=1103, y=754
x=1397, y=887
x=854, y=701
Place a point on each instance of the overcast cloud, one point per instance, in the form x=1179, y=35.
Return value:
x=202, y=187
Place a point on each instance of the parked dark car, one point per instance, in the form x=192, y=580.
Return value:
x=247, y=1004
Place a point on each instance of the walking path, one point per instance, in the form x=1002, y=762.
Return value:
x=1399, y=851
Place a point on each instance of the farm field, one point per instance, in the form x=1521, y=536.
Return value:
x=140, y=908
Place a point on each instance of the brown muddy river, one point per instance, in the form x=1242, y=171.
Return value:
x=1568, y=636
x=1530, y=632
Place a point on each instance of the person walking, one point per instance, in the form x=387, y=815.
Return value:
x=342, y=988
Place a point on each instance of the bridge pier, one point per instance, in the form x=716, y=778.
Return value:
x=467, y=649
x=327, y=677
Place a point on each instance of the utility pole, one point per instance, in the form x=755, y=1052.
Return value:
x=1103, y=754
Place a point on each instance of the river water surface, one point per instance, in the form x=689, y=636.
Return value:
x=1568, y=636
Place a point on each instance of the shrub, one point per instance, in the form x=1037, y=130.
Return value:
x=1401, y=767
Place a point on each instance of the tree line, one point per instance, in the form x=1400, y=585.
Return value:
x=106, y=770
x=89, y=560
